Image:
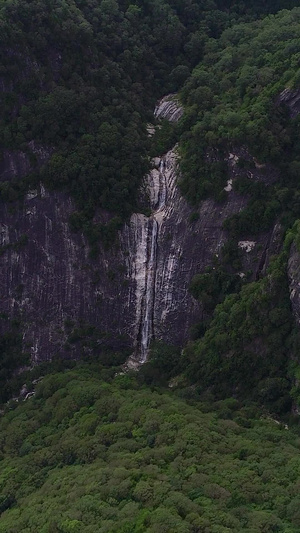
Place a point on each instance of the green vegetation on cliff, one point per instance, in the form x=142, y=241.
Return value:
x=250, y=343
x=232, y=100
x=80, y=80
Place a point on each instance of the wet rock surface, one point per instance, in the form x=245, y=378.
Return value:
x=183, y=248
x=169, y=108
x=135, y=292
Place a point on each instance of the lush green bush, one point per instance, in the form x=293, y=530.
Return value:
x=12, y=358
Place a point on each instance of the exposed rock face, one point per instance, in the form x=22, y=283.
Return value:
x=294, y=281
x=169, y=108
x=292, y=99
x=139, y=289
x=167, y=249
x=50, y=279
x=14, y=164
x=17, y=164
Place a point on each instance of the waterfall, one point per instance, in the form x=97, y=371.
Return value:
x=145, y=309
x=162, y=196
x=143, y=240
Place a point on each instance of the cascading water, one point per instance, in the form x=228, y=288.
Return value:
x=147, y=308
x=143, y=236
x=158, y=203
x=162, y=186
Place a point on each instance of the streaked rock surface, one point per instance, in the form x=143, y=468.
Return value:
x=133, y=293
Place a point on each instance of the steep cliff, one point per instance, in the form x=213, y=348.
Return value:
x=49, y=282
x=292, y=99
x=129, y=295
x=294, y=281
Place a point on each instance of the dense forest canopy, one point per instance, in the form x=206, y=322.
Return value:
x=100, y=454
x=232, y=99
x=81, y=80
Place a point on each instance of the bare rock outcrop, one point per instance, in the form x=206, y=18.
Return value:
x=169, y=108
x=49, y=282
x=291, y=97
x=168, y=248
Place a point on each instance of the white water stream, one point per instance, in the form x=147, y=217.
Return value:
x=142, y=238
x=158, y=196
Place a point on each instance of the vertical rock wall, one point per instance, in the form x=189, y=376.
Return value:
x=133, y=293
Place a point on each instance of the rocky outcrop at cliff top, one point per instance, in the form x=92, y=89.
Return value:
x=131, y=294
x=169, y=108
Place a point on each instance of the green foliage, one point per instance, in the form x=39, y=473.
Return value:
x=252, y=334
x=80, y=80
x=88, y=454
x=93, y=451
x=212, y=286
x=231, y=99
x=165, y=137
x=163, y=364
x=12, y=357
x=84, y=79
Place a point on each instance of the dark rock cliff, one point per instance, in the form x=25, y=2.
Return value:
x=294, y=281
x=17, y=164
x=292, y=99
x=136, y=290
x=49, y=282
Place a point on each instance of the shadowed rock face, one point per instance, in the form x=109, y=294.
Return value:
x=16, y=164
x=136, y=291
x=292, y=99
x=294, y=281
x=50, y=279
